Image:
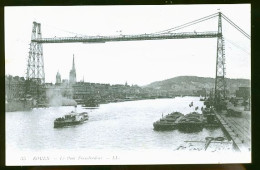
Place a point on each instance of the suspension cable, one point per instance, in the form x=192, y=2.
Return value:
x=238, y=46
x=237, y=27
x=73, y=33
x=188, y=24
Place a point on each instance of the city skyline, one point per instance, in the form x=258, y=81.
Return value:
x=138, y=62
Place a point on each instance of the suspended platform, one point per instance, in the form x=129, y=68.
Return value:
x=140, y=37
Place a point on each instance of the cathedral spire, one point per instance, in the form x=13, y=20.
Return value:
x=58, y=78
x=73, y=63
x=73, y=78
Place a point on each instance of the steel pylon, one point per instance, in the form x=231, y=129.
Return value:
x=35, y=63
x=220, y=82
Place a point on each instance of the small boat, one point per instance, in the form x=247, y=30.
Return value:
x=202, y=99
x=168, y=122
x=72, y=118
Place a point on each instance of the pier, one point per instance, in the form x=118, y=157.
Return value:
x=237, y=129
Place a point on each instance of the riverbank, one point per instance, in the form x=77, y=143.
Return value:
x=18, y=105
x=61, y=101
x=26, y=105
x=96, y=103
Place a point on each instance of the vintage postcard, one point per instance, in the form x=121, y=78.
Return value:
x=113, y=85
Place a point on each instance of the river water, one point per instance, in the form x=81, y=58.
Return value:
x=122, y=126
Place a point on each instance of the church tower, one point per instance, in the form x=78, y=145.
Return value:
x=73, y=79
x=58, y=78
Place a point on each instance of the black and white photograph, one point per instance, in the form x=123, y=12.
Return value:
x=127, y=84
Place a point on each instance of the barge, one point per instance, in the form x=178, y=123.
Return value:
x=168, y=122
x=191, y=122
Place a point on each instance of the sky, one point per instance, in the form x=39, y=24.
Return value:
x=134, y=62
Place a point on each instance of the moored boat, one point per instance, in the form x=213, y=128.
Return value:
x=202, y=99
x=168, y=122
x=191, y=122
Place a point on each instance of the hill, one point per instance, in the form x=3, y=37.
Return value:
x=189, y=84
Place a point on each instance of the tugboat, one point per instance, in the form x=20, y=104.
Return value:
x=72, y=118
x=168, y=122
x=191, y=122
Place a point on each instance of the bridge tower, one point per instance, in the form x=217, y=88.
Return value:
x=35, y=63
x=220, y=82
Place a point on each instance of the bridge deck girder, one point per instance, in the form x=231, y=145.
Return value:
x=103, y=39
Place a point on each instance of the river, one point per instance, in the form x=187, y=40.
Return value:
x=122, y=126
